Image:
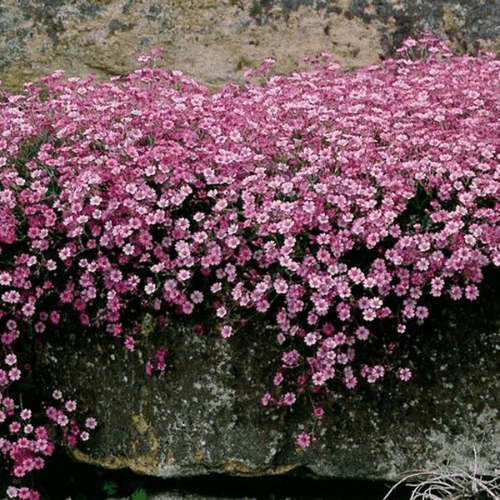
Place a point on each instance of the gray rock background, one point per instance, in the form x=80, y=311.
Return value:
x=216, y=40
x=204, y=417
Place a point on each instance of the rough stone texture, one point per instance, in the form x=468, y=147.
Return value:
x=213, y=40
x=204, y=416
x=216, y=40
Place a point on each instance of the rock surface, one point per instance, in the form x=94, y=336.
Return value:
x=204, y=416
x=216, y=40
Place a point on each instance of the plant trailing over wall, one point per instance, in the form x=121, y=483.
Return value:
x=335, y=204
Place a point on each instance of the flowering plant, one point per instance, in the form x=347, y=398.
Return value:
x=335, y=204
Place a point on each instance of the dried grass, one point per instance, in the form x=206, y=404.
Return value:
x=450, y=483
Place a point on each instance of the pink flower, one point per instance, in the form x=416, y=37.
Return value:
x=351, y=382
x=471, y=292
x=34, y=495
x=226, y=331
x=70, y=406
x=290, y=358
x=372, y=373
x=54, y=317
x=41, y=433
x=11, y=297
x=221, y=311
x=311, y=338
x=150, y=288
x=455, y=292
x=303, y=440
x=421, y=312
x=14, y=374
x=8, y=403
x=340, y=338
x=343, y=311
x=318, y=378
x=115, y=275
x=369, y=314
x=11, y=359
x=362, y=333
x=281, y=286
x=12, y=492
x=278, y=379
x=71, y=440
x=25, y=414
x=18, y=471
x=187, y=307
x=62, y=419
x=14, y=427
x=129, y=343
x=404, y=374
x=52, y=413
x=265, y=399
x=318, y=412
x=197, y=297
x=184, y=274
x=90, y=423
x=288, y=399
x=148, y=368
x=356, y=275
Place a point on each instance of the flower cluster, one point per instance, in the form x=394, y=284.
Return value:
x=330, y=203
x=65, y=419
x=24, y=445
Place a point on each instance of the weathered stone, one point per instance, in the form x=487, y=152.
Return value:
x=204, y=416
x=216, y=40
x=212, y=40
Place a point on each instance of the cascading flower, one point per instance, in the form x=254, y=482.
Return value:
x=326, y=202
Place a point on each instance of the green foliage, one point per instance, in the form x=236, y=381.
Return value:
x=110, y=487
x=139, y=494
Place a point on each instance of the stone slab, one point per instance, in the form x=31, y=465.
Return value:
x=204, y=417
x=216, y=40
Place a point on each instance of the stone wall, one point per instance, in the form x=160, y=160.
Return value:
x=216, y=40
x=204, y=416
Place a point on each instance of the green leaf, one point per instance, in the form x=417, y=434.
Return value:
x=110, y=487
x=139, y=494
